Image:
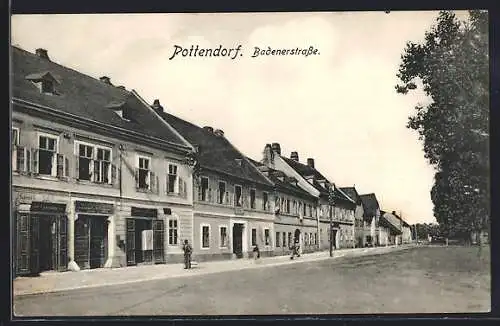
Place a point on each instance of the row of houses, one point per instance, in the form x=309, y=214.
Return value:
x=101, y=178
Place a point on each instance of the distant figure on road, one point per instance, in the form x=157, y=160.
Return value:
x=256, y=252
x=187, y=254
x=295, y=249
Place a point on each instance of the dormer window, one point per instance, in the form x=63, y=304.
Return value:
x=45, y=82
x=120, y=109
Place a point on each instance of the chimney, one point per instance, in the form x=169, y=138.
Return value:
x=157, y=106
x=268, y=158
x=219, y=132
x=276, y=148
x=394, y=213
x=294, y=156
x=209, y=129
x=310, y=162
x=105, y=79
x=42, y=53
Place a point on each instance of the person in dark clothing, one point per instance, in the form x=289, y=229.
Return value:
x=187, y=254
x=256, y=252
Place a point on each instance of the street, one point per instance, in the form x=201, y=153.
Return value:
x=417, y=280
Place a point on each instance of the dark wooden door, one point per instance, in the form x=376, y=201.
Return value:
x=237, y=240
x=158, y=241
x=23, y=244
x=62, y=261
x=82, y=242
x=97, y=244
x=34, y=260
x=130, y=241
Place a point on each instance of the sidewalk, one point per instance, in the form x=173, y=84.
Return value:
x=63, y=281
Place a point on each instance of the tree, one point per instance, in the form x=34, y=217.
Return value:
x=452, y=68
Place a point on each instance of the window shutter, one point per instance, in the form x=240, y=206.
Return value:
x=28, y=160
x=152, y=181
x=210, y=194
x=181, y=187
x=60, y=165
x=218, y=195
x=66, y=164
x=95, y=173
x=77, y=167
x=34, y=170
x=184, y=185
x=113, y=174
x=167, y=183
x=199, y=191
x=136, y=178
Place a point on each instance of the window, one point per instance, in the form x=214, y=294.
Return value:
x=205, y=236
x=265, y=201
x=254, y=237
x=294, y=207
x=284, y=239
x=223, y=236
x=237, y=197
x=306, y=238
x=267, y=237
x=204, y=189
x=47, y=148
x=173, y=231
x=252, y=198
x=304, y=207
x=15, y=137
x=278, y=242
x=289, y=238
x=85, y=154
x=144, y=173
x=172, y=179
x=310, y=210
x=47, y=86
x=102, y=166
x=17, y=152
x=288, y=206
x=315, y=238
x=221, y=197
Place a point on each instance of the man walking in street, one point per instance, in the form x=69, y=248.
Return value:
x=187, y=254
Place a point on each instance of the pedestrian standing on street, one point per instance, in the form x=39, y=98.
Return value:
x=188, y=250
x=256, y=252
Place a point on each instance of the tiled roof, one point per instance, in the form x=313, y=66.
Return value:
x=83, y=96
x=391, y=222
x=370, y=204
x=352, y=193
x=306, y=171
x=284, y=185
x=216, y=152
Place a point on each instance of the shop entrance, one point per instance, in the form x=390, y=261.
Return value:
x=238, y=240
x=46, y=248
x=91, y=241
x=145, y=241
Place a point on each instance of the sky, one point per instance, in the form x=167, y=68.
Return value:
x=338, y=107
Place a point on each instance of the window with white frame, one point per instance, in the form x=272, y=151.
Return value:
x=173, y=231
x=267, y=237
x=223, y=236
x=203, y=194
x=254, y=237
x=284, y=239
x=238, y=196
x=205, y=236
x=252, y=198
x=47, y=150
x=277, y=239
x=172, y=179
x=221, y=192
x=265, y=201
x=143, y=173
x=15, y=155
x=289, y=239
x=288, y=206
x=93, y=163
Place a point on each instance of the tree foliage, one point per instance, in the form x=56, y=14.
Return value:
x=451, y=66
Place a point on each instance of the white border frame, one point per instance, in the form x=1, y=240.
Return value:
x=209, y=236
x=245, y=236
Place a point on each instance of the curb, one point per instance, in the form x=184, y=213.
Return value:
x=208, y=272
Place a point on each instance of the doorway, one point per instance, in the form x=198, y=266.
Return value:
x=334, y=238
x=143, y=245
x=238, y=240
x=91, y=241
x=47, y=229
